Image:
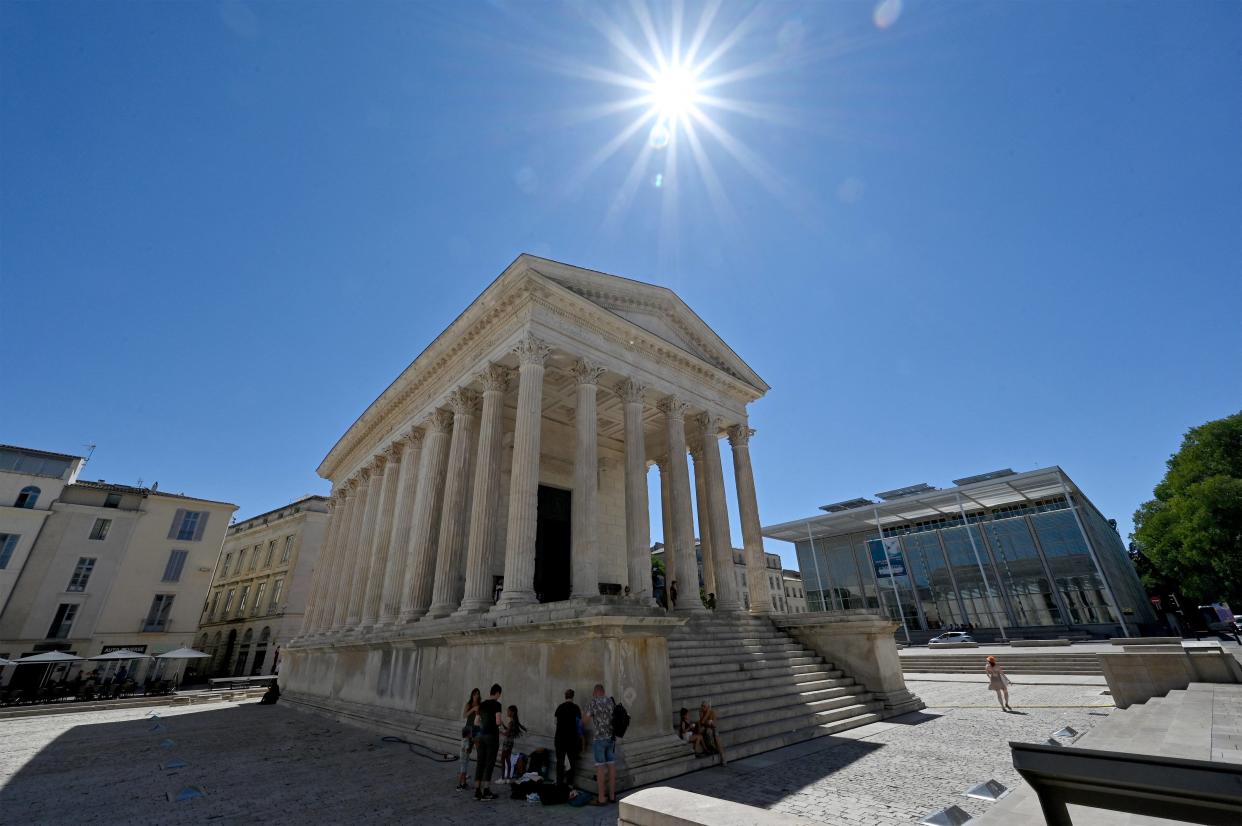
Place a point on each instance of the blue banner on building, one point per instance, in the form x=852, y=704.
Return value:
x=886, y=557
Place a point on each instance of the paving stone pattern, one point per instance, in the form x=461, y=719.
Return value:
x=277, y=765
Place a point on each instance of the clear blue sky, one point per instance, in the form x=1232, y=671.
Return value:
x=983, y=235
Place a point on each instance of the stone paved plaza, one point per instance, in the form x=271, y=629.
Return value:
x=278, y=765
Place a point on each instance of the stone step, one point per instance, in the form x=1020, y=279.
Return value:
x=778, y=692
x=776, y=741
x=680, y=646
x=681, y=643
x=721, y=657
x=682, y=676
x=696, y=690
x=823, y=701
x=750, y=727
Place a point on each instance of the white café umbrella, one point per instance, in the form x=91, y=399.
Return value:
x=48, y=658
x=180, y=654
x=122, y=654
x=4, y=662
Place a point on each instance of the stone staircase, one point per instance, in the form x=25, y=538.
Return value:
x=1014, y=663
x=768, y=690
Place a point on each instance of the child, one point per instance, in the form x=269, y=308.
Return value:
x=686, y=731
x=510, y=730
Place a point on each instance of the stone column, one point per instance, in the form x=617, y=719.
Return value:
x=326, y=618
x=637, y=513
x=717, y=508
x=680, y=507
x=380, y=544
x=420, y=567
x=485, y=500
x=748, y=513
x=584, y=554
x=519, y=588
x=366, y=543
x=451, y=557
x=666, y=517
x=399, y=540
x=349, y=551
x=320, y=577
x=705, y=527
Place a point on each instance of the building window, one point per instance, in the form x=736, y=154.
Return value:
x=100, y=529
x=63, y=621
x=28, y=497
x=258, y=597
x=188, y=526
x=271, y=552
x=241, y=602
x=157, y=617
x=224, y=569
x=215, y=601
x=81, y=574
x=112, y=500
x=288, y=550
x=254, y=558
x=176, y=561
x=241, y=560
x=228, y=601
x=8, y=544
x=277, y=587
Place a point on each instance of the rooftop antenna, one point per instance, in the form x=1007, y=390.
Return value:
x=90, y=451
x=138, y=484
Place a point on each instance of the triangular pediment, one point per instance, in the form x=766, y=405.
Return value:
x=658, y=310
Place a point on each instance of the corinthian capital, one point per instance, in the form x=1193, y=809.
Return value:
x=415, y=437
x=708, y=423
x=364, y=475
x=673, y=407
x=463, y=401
x=740, y=435
x=439, y=422
x=586, y=372
x=531, y=350
x=631, y=392
x=378, y=461
x=493, y=377
x=392, y=453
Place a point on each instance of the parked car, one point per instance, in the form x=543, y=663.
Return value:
x=953, y=636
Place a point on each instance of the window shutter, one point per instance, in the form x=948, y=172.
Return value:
x=176, y=525
x=202, y=524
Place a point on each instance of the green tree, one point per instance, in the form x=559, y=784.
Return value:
x=1190, y=534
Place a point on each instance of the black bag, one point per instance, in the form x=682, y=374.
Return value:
x=538, y=762
x=620, y=720
x=551, y=794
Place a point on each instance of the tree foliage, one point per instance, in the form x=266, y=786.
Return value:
x=1190, y=534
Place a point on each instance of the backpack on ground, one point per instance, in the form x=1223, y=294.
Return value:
x=620, y=720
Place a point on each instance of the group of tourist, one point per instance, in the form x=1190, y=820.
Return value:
x=490, y=730
x=703, y=735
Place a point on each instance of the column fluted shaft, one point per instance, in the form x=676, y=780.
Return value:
x=705, y=522
x=349, y=551
x=381, y=541
x=394, y=572
x=722, y=543
x=420, y=568
x=325, y=616
x=485, y=500
x=666, y=517
x=682, y=546
x=519, y=587
x=584, y=530
x=748, y=515
x=319, y=576
x=366, y=542
x=454, y=520
x=637, y=513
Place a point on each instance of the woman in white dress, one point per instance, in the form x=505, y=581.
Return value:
x=998, y=682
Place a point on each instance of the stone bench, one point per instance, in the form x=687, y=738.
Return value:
x=1038, y=643
x=662, y=806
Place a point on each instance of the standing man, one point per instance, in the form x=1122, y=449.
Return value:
x=599, y=717
x=489, y=744
x=568, y=739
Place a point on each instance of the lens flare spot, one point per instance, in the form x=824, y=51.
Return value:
x=886, y=13
x=659, y=137
x=658, y=180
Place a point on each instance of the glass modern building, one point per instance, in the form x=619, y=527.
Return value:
x=1016, y=553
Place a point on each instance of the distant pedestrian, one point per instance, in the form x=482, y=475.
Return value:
x=488, y=744
x=672, y=593
x=657, y=585
x=568, y=737
x=709, y=731
x=998, y=682
x=603, y=744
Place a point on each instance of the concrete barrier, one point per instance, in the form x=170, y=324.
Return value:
x=662, y=806
x=1146, y=640
x=1137, y=676
x=1038, y=643
x=953, y=645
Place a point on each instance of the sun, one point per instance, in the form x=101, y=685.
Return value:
x=674, y=92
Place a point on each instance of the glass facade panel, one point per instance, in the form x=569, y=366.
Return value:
x=1072, y=571
x=978, y=595
x=1022, y=572
x=891, y=597
x=931, y=574
x=1115, y=560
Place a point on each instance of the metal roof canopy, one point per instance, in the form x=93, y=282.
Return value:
x=931, y=504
